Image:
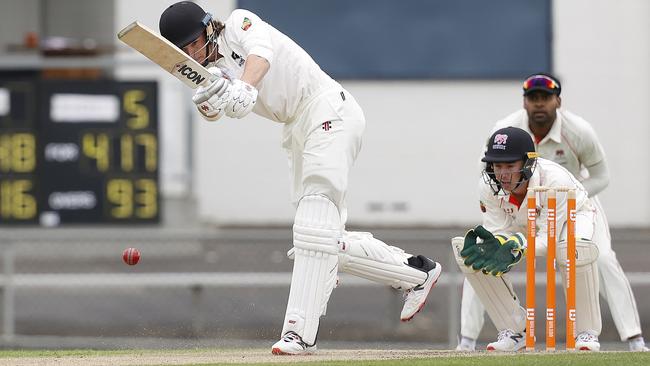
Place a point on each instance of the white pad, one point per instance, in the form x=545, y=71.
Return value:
x=316, y=230
x=362, y=255
x=587, y=302
x=496, y=294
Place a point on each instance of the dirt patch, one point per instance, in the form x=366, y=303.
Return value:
x=219, y=356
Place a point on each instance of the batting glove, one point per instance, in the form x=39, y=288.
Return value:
x=241, y=100
x=211, y=101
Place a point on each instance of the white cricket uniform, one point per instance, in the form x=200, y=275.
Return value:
x=323, y=122
x=503, y=214
x=322, y=135
x=572, y=143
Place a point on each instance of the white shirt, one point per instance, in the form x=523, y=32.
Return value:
x=293, y=79
x=571, y=142
x=503, y=214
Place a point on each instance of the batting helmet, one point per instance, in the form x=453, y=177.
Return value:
x=183, y=22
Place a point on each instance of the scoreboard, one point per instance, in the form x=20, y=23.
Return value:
x=78, y=152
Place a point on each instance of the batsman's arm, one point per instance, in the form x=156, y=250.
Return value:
x=255, y=69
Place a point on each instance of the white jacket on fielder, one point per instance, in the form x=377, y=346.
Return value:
x=571, y=142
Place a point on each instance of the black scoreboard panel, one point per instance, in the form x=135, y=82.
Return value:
x=94, y=149
x=19, y=186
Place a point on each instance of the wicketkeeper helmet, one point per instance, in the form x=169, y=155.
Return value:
x=508, y=145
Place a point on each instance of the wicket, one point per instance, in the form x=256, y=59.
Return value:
x=550, y=267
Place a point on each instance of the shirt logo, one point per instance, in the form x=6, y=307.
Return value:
x=327, y=125
x=559, y=153
x=246, y=24
x=238, y=59
x=482, y=205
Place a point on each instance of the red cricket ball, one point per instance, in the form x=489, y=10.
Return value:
x=131, y=256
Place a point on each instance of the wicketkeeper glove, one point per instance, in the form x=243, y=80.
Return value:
x=475, y=253
x=212, y=100
x=506, y=256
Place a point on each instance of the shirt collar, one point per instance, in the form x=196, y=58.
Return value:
x=554, y=134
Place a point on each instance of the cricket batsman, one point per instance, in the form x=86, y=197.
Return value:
x=258, y=69
x=489, y=251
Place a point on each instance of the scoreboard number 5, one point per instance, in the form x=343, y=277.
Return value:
x=140, y=119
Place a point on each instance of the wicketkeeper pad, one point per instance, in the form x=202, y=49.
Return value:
x=316, y=230
x=496, y=293
x=587, y=303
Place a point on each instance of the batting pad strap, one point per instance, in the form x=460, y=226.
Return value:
x=586, y=253
x=362, y=255
x=322, y=240
x=317, y=227
x=496, y=294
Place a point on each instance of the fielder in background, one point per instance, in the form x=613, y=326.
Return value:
x=258, y=69
x=570, y=141
x=512, y=166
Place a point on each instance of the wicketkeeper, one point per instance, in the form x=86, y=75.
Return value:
x=487, y=253
x=569, y=140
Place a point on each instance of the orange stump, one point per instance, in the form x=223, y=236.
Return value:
x=571, y=272
x=530, y=271
x=551, y=262
x=550, y=271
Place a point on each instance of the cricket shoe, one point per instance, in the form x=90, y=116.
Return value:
x=292, y=344
x=637, y=344
x=416, y=297
x=586, y=341
x=466, y=345
x=508, y=341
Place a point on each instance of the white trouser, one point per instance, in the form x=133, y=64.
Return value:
x=322, y=145
x=614, y=285
x=588, y=226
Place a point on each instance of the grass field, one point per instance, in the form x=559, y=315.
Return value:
x=331, y=358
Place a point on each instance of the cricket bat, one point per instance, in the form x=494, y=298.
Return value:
x=164, y=53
